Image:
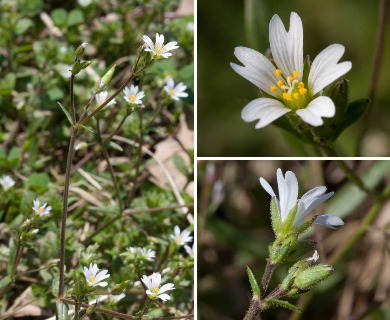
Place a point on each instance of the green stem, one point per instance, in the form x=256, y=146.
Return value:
x=352, y=176
x=255, y=308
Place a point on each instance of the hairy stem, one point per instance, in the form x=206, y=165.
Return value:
x=269, y=269
x=255, y=308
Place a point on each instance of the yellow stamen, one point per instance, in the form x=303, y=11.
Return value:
x=172, y=92
x=278, y=72
x=290, y=79
x=295, y=74
x=287, y=96
x=302, y=90
x=91, y=279
x=296, y=96
x=274, y=89
x=132, y=98
x=280, y=83
x=155, y=289
x=301, y=85
x=40, y=209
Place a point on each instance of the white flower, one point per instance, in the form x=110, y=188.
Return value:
x=153, y=289
x=143, y=253
x=7, y=182
x=84, y=3
x=158, y=49
x=41, y=210
x=284, y=82
x=190, y=250
x=101, y=97
x=93, y=277
x=175, y=92
x=132, y=95
x=181, y=238
x=35, y=231
x=288, y=198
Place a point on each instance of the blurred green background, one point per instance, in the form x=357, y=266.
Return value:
x=234, y=231
x=222, y=94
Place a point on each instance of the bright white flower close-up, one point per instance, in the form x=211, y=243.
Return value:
x=7, y=182
x=101, y=97
x=144, y=253
x=132, y=95
x=41, y=210
x=153, y=289
x=181, y=238
x=288, y=198
x=176, y=92
x=190, y=250
x=286, y=88
x=94, y=277
x=158, y=49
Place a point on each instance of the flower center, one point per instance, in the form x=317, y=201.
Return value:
x=179, y=239
x=158, y=49
x=91, y=279
x=290, y=89
x=155, y=289
x=40, y=209
x=172, y=92
x=132, y=98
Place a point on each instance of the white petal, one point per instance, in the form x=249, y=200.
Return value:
x=319, y=107
x=146, y=281
x=102, y=284
x=148, y=41
x=288, y=192
x=287, y=47
x=177, y=230
x=329, y=221
x=257, y=68
x=166, y=287
x=267, y=187
x=325, y=68
x=265, y=110
x=164, y=297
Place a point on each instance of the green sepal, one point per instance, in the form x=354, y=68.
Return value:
x=84, y=64
x=119, y=288
x=306, y=69
x=300, y=249
x=308, y=278
x=274, y=303
x=280, y=249
x=304, y=226
x=79, y=290
x=275, y=217
x=256, y=292
x=288, y=224
x=102, y=83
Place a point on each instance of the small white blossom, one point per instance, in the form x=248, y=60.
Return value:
x=286, y=89
x=35, y=231
x=175, y=92
x=288, y=198
x=132, y=95
x=190, y=250
x=153, y=289
x=101, y=97
x=144, y=253
x=84, y=3
x=94, y=277
x=181, y=238
x=41, y=210
x=7, y=182
x=158, y=49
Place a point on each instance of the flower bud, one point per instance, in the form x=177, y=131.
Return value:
x=101, y=84
x=310, y=277
x=80, y=51
x=119, y=288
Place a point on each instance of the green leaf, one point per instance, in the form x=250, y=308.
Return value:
x=5, y=282
x=115, y=146
x=180, y=164
x=66, y=113
x=274, y=303
x=256, y=23
x=59, y=17
x=14, y=156
x=7, y=84
x=38, y=182
x=62, y=310
x=79, y=126
x=256, y=292
x=23, y=25
x=75, y=17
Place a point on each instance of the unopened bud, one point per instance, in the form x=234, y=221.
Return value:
x=119, y=288
x=101, y=84
x=80, y=51
x=81, y=146
x=84, y=64
x=310, y=277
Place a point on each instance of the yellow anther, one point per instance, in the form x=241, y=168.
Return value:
x=132, y=98
x=295, y=74
x=274, y=89
x=301, y=85
x=302, y=90
x=278, y=72
x=40, y=209
x=280, y=83
x=91, y=279
x=155, y=289
x=296, y=96
x=290, y=79
x=287, y=96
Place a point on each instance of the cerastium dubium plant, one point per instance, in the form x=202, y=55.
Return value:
x=89, y=118
x=288, y=215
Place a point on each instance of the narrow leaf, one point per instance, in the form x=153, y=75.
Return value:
x=62, y=311
x=5, y=282
x=12, y=255
x=66, y=113
x=252, y=280
x=274, y=303
x=115, y=146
